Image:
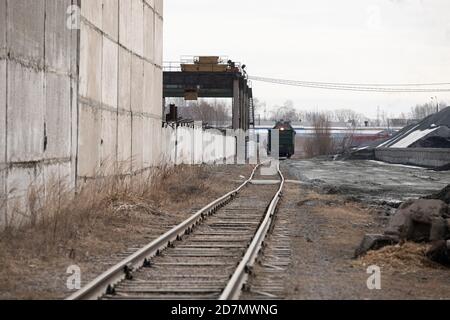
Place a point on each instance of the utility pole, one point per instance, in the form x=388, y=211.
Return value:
x=378, y=116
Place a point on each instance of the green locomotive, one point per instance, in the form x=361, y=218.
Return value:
x=287, y=139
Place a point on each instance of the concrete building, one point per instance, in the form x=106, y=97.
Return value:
x=80, y=90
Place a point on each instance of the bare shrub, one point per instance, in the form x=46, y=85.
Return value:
x=321, y=142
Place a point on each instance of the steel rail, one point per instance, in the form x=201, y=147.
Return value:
x=106, y=281
x=240, y=276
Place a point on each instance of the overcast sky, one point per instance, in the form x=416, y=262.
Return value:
x=356, y=41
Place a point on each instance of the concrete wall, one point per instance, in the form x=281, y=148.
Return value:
x=37, y=102
x=78, y=103
x=414, y=156
x=73, y=102
x=193, y=145
x=120, y=85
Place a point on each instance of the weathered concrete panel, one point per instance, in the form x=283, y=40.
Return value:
x=90, y=63
x=47, y=119
x=65, y=174
x=111, y=18
x=25, y=114
x=137, y=25
x=158, y=93
x=108, y=141
x=51, y=175
x=158, y=41
x=57, y=36
x=92, y=10
x=74, y=126
x=151, y=3
x=137, y=84
x=149, y=87
x=110, y=72
x=148, y=142
x=159, y=7
x=89, y=141
x=137, y=148
x=58, y=118
x=18, y=183
x=157, y=143
x=75, y=49
x=3, y=27
x=124, y=142
x=125, y=27
x=2, y=112
x=26, y=30
x=3, y=197
x=124, y=79
x=414, y=156
x=149, y=33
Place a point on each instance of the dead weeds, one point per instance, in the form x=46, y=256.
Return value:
x=98, y=222
x=407, y=257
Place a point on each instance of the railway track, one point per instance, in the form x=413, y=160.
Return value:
x=208, y=256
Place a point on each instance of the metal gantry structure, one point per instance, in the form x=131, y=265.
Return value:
x=212, y=77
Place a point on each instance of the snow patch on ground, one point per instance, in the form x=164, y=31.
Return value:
x=412, y=138
x=386, y=143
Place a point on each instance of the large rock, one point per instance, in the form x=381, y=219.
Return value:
x=440, y=252
x=443, y=195
x=420, y=220
x=439, y=229
x=375, y=242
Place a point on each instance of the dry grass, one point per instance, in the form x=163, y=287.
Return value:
x=56, y=217
x=407, y=257
x=94, y=226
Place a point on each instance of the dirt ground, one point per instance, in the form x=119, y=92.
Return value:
x=326, y=224
x=325, y=231
x=30, y=271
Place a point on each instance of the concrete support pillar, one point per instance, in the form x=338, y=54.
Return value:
x=236, y=104
x=243, y=120
x=246, y=109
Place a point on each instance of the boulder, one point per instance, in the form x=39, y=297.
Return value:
x=440, y=252
x=439, y=229
x=420, y=220
x=375, y=242
x=443, y=195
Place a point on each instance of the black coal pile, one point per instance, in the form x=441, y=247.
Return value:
x=439, y=138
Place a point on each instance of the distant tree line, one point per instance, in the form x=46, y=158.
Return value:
x=287, y=111
x=422, y=111
x=213, y=113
